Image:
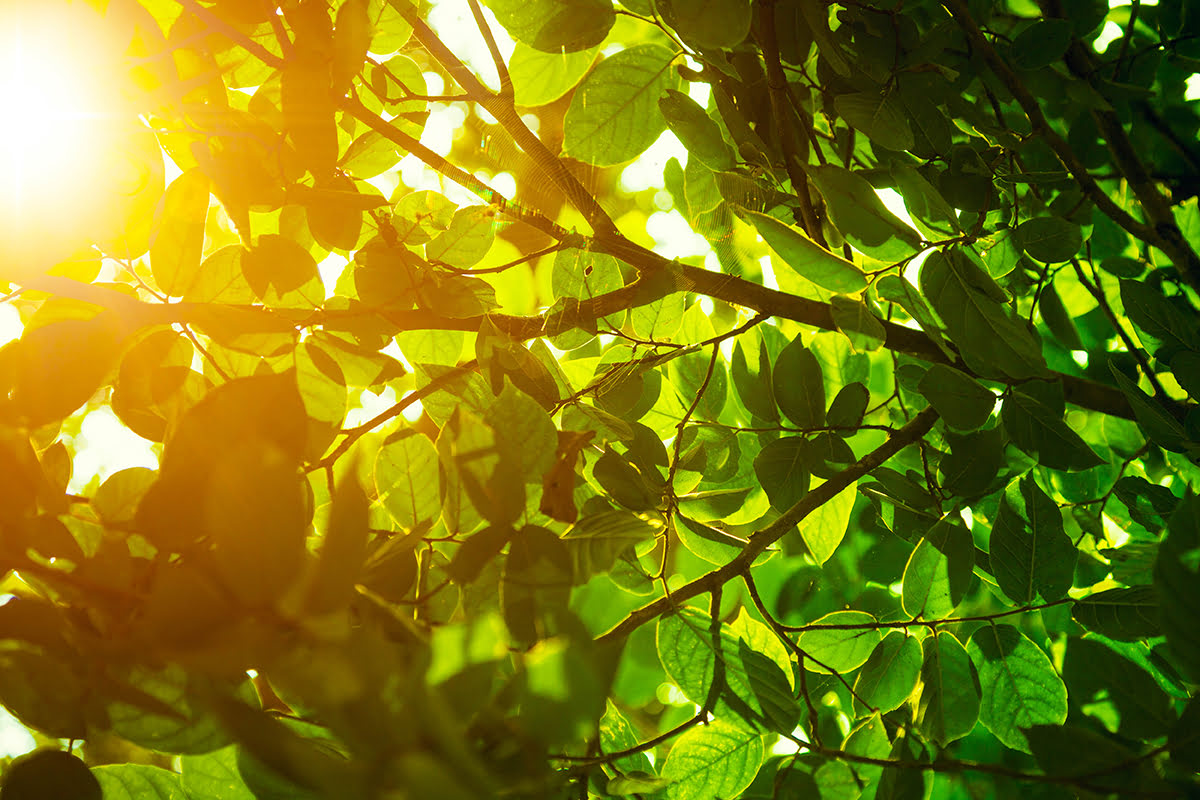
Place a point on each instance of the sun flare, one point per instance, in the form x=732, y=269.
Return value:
x=60, y=118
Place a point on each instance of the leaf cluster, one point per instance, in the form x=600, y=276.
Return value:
x=474, y=481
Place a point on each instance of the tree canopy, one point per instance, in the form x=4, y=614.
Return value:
x=567, y=399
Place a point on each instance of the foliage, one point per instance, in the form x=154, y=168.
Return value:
x=846, y=505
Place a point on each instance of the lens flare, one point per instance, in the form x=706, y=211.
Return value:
x=62, y=121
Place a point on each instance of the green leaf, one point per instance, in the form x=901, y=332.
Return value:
x=616, y=734
x=255, y=517
x=55, y=368
x=660, y=320
x=963, y=402
x=829, y=48
x=782, y=470
x=1020, y=687
x=861, y=216
x=614, y=113
x=951, y=691
x=992, y=342
x=856, y=320
x=824, y=529
x=215, y=774
x=837, y=781
x=179, y=235
x=711, y=544
x=583, y=275
x=277, y=266
x=1098, y=673
x=343, y=550
x=406, y=481
x=137, y=782
x=1177, y=581
x=752, y=377
x=1042, y=43
x=711, y=761
x=554, y=26
x=799, y=385
x=889, y=676
x=1030, y=552
x=466, y=240
x=698, y=132
x=221, y=279
x=1067, y=751
x=183, y=725
x=686, y=650
x=708, y=24
x=840, y=650
x=805, y=257
x=932, y=215
x=849, y=406
x=536, y=584
x=524, y=431
x=539, y=77
x=306, y=100
x=869, y=739
x=771, y=686
x=117, y=499
x=1157, y=423
x=1041, y=433
x=624, y=483
x=1155, y=315
x=879, y=115
x=351, y=40
x=1127, y=615
x=1058, y=319
x=1184, y=738
x=939, y=571
x=334, y=209
x=895, y=289
x=1049, y=239
x=597, y=540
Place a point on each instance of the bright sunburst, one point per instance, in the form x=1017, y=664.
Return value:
x=60, y=113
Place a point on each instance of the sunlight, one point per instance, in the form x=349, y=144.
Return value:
x=1192, y=87
x=104, y=446
x=61, y=110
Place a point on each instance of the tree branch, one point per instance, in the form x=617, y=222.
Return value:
x=761, y=540
x=1162, y=232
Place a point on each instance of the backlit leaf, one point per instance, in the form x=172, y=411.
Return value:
x=712, y=761
x=861, y=216
x=175, y=249
x=1126, y=614
x=992, y=343
x=614, y=113
x=554, y=26
x=806, y=257
x=1020, y=687
x=799, y=386
x=1040, y=432
x=960, y=400
x=1030, y=553
x=840, y=649
x=950, y=697
x=888, y=677
x=939, y=571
